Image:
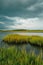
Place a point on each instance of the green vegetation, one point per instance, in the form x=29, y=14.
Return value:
x=21, y=30
x=14, y=56
x=23, y=39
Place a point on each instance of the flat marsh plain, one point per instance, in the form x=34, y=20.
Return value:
x=13, y=56
x=22, y=30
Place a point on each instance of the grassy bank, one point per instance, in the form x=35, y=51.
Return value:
x=23, y=39
x=13, y=56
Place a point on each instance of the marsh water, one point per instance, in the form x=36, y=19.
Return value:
x=28, y=47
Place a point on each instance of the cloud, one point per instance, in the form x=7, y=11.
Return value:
x=21, y=8
x=2, y=23
x=36, y=6
x=28, y=23
x=21, y=14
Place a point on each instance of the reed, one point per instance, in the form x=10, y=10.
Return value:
x=23, y=39
x=13, y=56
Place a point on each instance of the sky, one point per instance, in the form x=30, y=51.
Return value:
x=21, y=14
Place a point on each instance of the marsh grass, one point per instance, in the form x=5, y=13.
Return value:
x=23, y=39
x=21, y=30
x=13, y=56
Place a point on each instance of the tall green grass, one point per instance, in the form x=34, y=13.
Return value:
x=13, y=56
x=22, y=39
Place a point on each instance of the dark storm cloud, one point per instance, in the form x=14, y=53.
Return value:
x=2, y=27
x=19, y=8
x=5, y=22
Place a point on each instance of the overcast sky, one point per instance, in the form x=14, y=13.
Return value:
x=21, y=14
